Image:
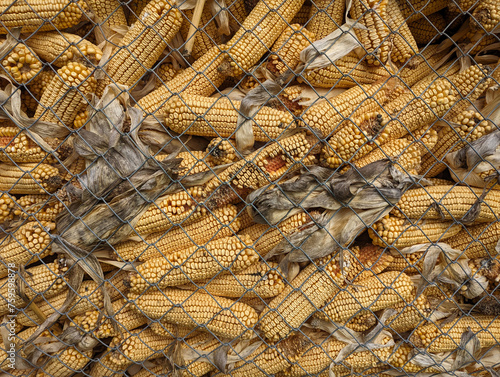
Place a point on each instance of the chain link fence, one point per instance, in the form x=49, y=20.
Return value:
x=250, y=188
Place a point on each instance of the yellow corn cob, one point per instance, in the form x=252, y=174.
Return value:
x=29, y=244
x=346, y=72
x=38, y=15
x=126, y=317
x=361, y=322
x=446, y=337
x=410, y=264
x=173, y=331
x=136, y=7
x=164, y=72
x=65, y=363
x=21, y=64
x=302, y=15
x=213, y=117
x=207, y=34
x=43, y=207
x=194, y=264
x=486, y=16
x=193, y=162
x=404, y=45
x=244, y=216
x=266, y=21
x=220, y=223
x=109, y=12
x=477, y=241
x=410, y=314
x=221, y=151
x=59, y=48
x=40, y=82
x=373, y=14
x=413, y=10
x=373, y=294
x=81, y=119
x=447, y=203
x=402, y=359
x=201, y=78
x=8, y=208
x=105, y=366
x=218, y=315
x=159, y=24
x=44, y=279
x=400, y=233
x=427, y=29
x=286, y=50
x=182, y=207
x=260, y=280
x=66, y=95
x=325, y=16
x=30, y=178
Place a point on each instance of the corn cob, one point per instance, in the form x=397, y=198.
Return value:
x=105, y=366
x=400, y=233
x=66, y=95
x=42, y=207
x=201, y=78
x=40, y=82
x=260, y=280
x=65, y=363
x=221, y=151
x=59, y=48
x=44, y=279
x=325, y=16
x=21, y=64
x=372, y=294
x=29, y=244
x=413, y=10
x=404, y=45
x=194, y=264
x=182, y=207
x=410, y=264
x=165, y=72
x=212, y=226
x=410, y=314
x=220, y=316
x=463, y=6
x=402, y=359
x=109, y=12
x=477, y=241
x=159, y=24
x=18, y=147
x=446, y=337
x=286, y=50
x=38, y=15
x=29, y=178
x=8, y=208
x=302, y=16
x=360, y=323
x=207, y=34
x=81, y=119
x=486, y=16
x=173, y=331
x=217, y=117
x=428, y=29
x=136, y=7
x=487, y=267
x=375, y=39
x=346, y=72
x=193, y=162
x=447, y=203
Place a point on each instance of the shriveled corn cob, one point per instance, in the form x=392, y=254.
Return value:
x=65, y=363
x=302, y=16
x=220, y=223
x=413, y=10
x=221, y=152
x=375, y=38
x=18, y=147
x=346, y=72
x=286, y=50
x=38, y=15
x=448, y=203
x=21, y=64
x=8, y=208
x=486, y=16
x=165, y=72
x=435, y=338
x=373, y=294
x=173, y=209
x=217, y=117
x=207, y=34
x=404, y=45
x=194, y=264
x=40, y=82
x=159, y=23
x=410, y=314
x=325, y=16
x=42, y=207
x=218, y=315
x=109, y=13
x=29, y=244
x=428, y=29
x=29, y=178
x=477, y=241
x=66, y=95
x=260, y=280
x=400, y=233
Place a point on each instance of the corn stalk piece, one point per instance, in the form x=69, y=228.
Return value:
x=30, y=178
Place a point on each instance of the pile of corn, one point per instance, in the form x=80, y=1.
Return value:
x=311, y=218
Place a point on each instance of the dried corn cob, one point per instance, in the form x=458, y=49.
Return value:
x=360, y=323
x=217, y=117
x=194, y=264
x=325, y=16
x=413, y=10
x=400, y=233
x=221, y=151
x=403, y=358
x=448, y=203
x=286, y=50
x=30, y=178
x=486, y=16
x=220, y=223
x=21, y=64
x=173, y=331
x=194, y=162
x=220, y=316
x=302, y=16
x=65, y=363
x=164, y=72
x=207, y=34
x=66, y=95
x=410, y=314
x=40, y=82
x=39, y=15
x=160, y=21
x=42, y=207
x=446, y=337
x=8, y=208
x=404, y=45
x=477, y=241
x=19, y=147
x=29, y=244
x=136, y=7
x=408, y=263
x=108, y=13
x=81, y=119
x=373, y=294
x=428, y=29
x=375, y=39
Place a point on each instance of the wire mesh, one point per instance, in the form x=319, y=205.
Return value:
x=250, y=188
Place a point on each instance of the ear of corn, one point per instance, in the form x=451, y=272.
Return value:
x=9, y=208
x=221, y=152
x=207, y=34
x=325, y=16
x=65, y=363
x=404, y=45
x=18, y=147
x=413, y=10
x=21, y=64
x=40, y=82
x=428, y=28
x=477, y=241
x=486, y=16
x=109, y=12
x=29, y=178
x=165, y=72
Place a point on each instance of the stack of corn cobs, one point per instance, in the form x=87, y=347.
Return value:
x=250, y=188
